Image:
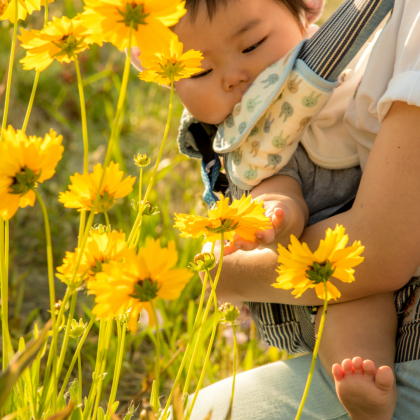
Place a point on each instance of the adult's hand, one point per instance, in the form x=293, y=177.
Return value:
x=385, y=218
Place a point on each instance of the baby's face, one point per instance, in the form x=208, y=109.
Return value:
x=240, y=41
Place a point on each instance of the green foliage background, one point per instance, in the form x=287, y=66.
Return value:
x=178, y=189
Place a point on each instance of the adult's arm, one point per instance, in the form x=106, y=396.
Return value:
x=385, y=217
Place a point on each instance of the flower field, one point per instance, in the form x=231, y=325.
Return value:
x=87, y=232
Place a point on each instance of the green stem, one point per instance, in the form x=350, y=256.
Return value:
x=103, y=366
x=108, y=154
x=35, y=86
x=79, y=369
x=49, y=257
x=117, y=370
x=157, y=364
x=31, y=102
x=52, y=354
x=76, y=356
x=140, y=214
x=52, y=293
x=195, y=351
x=152, y=178
x=213, y=333
x=314, y=356
x=184, y=358
x=9, y=76
x=4, y=291
x=140, y=184
x=83, y=113
x=81, y=227
x=64, y=346
x=67, y=333
x=99, y=354
x=46, y=14
x=162, y=146
x=108, y=225
x=235, y=355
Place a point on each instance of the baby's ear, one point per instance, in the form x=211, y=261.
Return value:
x=316, y=8
x=135, y=58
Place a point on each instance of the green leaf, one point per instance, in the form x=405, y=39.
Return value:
x=101, y=414
x=19, y=363
x=114, y=406
x=154, y=398
x=74, y=391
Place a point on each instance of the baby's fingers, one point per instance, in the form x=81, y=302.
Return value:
x=267, y=237
x=244, y=245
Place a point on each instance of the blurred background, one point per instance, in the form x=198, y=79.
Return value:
x=178, y=189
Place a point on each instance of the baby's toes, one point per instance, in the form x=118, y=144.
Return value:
x=337, y=372
x=369, y=368
x=358, y=365
x=347, y=366
x=384, y=378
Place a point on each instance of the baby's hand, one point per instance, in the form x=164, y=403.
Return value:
x=269, y=238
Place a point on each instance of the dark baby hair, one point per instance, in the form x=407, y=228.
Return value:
x=296, y=7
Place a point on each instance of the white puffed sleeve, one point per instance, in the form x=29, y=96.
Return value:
x=392, y=74
x=405, y=81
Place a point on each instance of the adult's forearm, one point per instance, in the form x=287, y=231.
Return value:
x=385, y=218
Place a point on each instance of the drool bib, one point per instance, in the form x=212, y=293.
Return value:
x=264, y=129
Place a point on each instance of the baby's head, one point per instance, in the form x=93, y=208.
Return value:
x=239, y=39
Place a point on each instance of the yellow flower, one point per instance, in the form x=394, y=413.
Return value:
x=25, y=162
x=101, y=247
x=170, y=61
x=244, y=217
x=84, y=187
x=61, y=39
x=3, y=6
x=141, y=278
x=148, y=18
x=8, y=8
x=297, y=264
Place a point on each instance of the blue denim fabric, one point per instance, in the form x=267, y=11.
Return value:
x=274, y=392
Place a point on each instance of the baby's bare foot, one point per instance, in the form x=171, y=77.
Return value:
x=366, y=393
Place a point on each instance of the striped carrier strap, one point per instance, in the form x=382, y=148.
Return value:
x=341, y=37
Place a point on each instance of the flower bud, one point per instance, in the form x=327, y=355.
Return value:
x=77, y=328
x=229, y=313
x=99, y=228
x=58, y=305
x=203, y=262
x=142, y=160
x=149, y=209
x=124, y=318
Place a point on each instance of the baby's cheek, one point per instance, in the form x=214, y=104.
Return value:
x=204, y=104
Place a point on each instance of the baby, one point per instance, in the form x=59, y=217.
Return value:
x=239, y=40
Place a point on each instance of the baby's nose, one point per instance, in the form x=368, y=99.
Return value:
x=234, y=77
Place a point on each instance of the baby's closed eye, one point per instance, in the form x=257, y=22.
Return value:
x=201, y=74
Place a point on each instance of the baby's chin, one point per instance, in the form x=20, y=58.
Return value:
x=211, y=118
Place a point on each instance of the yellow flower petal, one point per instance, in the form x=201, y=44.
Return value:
x=115, y=285
x=61, y=39
x=298, y=258
x=246, y=214
x=106, y=19
x=83, y=188
x=20, y=155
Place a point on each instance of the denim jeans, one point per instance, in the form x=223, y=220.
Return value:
x=274, y=392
